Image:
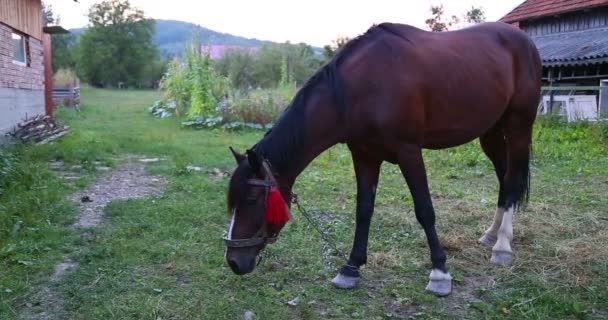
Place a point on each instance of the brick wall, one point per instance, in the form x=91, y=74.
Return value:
x=15, y=76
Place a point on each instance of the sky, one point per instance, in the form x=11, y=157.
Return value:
x=316, y=22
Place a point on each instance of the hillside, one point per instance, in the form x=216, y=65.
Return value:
x=171, y=37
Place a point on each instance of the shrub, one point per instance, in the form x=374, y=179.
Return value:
x=65, y=78
x=192, y=86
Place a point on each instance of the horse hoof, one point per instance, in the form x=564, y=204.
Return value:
x=501, y=258
x=345, y=282
x=440, y=283
x=487, y=240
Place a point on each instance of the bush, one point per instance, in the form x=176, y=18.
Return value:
x=65, y=78
x=259, y=106
x=192, y=86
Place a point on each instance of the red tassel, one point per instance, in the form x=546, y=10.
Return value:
x=276, y=208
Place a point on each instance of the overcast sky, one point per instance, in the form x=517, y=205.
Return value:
x=315, y=22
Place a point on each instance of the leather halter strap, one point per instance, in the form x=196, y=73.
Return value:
x=261, y=236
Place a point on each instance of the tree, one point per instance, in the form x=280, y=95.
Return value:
x=117, y=46
x=63, y=47
x=475, y=15
x=437, y=23
x=62, y=44
x=301, y=63
x=48, y=17
x=330, y=50
x=238, y=66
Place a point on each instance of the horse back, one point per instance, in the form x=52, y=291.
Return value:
x=439, y=89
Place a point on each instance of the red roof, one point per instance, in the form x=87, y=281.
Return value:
x=540, y=8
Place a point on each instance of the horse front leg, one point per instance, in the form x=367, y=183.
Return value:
x=367, y=171
x=412, y=167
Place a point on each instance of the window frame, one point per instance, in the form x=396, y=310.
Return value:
x=23, y=48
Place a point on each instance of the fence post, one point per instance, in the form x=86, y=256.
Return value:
x=603, y=107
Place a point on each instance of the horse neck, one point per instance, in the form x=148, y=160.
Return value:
x=323, y=128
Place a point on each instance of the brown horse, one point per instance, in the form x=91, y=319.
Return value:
x=388, y=94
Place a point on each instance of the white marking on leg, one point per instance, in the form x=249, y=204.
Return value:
x=437, y=274
x=440, y=283
x=493, y=230
x=345, y=282
x=501, y=252
x=489, y=237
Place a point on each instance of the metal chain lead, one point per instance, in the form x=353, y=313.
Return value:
x=324, y=235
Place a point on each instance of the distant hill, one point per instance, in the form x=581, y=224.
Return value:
x=171, y=37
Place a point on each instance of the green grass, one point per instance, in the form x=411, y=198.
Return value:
x=163, y=259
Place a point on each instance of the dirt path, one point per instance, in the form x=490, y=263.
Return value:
x=128, y=181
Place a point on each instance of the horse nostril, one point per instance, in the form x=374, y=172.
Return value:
x=234, y=266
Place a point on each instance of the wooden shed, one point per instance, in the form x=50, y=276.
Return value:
x=571, y=35
x=572, y=38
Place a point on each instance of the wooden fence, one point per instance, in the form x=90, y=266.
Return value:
x=69, y=97
x=592, y=101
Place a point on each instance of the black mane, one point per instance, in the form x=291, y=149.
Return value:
x=281, y=144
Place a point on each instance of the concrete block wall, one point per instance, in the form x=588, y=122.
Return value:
x=21, y=87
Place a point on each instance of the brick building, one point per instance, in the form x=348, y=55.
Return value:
x=22, y=91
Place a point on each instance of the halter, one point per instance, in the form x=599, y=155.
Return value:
x=261, y=236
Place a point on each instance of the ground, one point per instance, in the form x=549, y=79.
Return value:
x=151, y=247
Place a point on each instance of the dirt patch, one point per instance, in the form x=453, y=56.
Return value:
x=399, y=310
x=45, y=304
x=63, y=268
x=464, y=295
x=129, y=181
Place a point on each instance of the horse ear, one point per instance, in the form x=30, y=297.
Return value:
x=239, y=157
x=254, y=160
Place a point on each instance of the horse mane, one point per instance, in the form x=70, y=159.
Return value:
x=281, y=144
x=288, y=132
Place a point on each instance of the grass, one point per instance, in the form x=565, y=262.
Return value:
x=163, y=258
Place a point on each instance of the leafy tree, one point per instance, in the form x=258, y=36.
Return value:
x=117, y=46
x=437, y=22
x=63, y=48
x=62, y=44
x=238, y=66
x=475, y=15
x=47, y=14
x=330, y=50
x=301, y=63
x=273, y=65
x=267, y=66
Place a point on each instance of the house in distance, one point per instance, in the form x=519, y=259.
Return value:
x=572, y=38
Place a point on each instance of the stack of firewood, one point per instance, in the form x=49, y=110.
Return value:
x=40, y=130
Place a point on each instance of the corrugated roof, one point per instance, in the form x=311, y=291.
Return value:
x=540, y=8
x=573, y=48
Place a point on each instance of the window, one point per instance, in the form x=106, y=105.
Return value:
x=19, y=49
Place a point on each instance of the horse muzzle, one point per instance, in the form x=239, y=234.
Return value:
x=241, y=264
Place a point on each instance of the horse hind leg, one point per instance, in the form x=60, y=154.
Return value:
x=494, y=146
x=518, y=133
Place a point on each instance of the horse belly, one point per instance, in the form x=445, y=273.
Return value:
x=447, y=138
x=460, y=125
